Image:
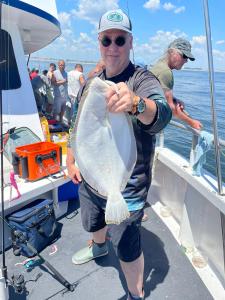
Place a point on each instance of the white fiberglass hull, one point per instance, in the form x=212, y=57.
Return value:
x=199, y=212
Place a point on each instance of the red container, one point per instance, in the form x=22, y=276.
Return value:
x=38, y=160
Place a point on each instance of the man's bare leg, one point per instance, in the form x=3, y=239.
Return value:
x=134, y=272
x=100, y=235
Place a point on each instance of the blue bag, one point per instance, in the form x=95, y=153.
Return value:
x=38, y=225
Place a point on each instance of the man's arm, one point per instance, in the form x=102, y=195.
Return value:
x=148, y=116
x=59, y=82
x=53, y=79
x=169, y=97
x=179, y=113
x=73, y=171
x=58, y=78
x=82, y=79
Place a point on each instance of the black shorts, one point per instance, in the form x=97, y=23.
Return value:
x=125, y=237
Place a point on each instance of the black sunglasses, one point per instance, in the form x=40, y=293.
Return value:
x=119, y=41
x=184, y=56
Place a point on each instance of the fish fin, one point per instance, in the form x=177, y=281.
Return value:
x=116, y=209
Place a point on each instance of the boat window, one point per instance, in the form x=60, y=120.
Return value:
x=18, y=137
x=9, y=74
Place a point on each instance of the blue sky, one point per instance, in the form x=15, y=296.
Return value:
x=155, y=24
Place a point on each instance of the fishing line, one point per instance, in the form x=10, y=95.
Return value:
x=223, y=152
x=128, y=13
x=28, y=60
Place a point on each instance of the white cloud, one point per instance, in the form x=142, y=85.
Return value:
x=200, y=40
x=200, y=53
x=220, y=42
x=156, y=46
x=168, y=6
x=179, y=9
x=64, y=19
x=90, y=10
x=152, y=4
x=219, y=55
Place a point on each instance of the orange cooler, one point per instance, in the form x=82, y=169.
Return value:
x=38, y=160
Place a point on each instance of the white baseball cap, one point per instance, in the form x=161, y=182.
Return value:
x=115, y=19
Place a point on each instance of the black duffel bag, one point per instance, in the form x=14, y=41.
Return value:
x=33, y=225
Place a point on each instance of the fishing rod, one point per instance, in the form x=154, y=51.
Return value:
x=19, y=288
x=3, y=270
x=212, y=95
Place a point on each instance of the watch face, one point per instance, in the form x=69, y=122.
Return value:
x=141, y=106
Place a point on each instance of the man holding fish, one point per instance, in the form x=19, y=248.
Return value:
x=134, y=93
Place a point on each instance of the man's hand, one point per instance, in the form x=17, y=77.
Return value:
x=122, y=100
x=119, y=98
x=73, y=171
x=196, y=124
x=180, y=114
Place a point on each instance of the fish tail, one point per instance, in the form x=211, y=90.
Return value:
x=116, y=209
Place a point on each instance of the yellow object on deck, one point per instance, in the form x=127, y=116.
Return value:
x=59, y=138
x=45, y=128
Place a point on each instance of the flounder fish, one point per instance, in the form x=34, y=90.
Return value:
x=104, y=148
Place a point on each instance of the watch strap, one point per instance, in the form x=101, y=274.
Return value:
x=136, y=100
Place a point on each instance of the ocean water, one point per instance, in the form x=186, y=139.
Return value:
x=193, y=88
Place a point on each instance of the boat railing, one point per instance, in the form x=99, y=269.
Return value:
x=195, y=136
x=195, y=133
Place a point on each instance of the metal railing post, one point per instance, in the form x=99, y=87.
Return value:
x=212, y=94
x=161, y=139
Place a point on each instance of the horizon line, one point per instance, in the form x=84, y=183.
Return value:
x=91, y=62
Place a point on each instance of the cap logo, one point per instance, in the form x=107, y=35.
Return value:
x=115, y=17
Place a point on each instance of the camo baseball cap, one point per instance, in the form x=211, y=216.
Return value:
x=184, y=46
x=114, y=19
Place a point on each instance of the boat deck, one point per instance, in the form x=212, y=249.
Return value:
x=168, y=272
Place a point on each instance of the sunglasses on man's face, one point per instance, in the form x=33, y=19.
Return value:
x=119, y=41
x=184, y=56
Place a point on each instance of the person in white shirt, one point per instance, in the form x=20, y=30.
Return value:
x=60, y=91
x=75, y=81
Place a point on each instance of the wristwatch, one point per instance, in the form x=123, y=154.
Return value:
x=139, y=105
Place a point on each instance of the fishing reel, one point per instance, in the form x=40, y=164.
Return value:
x=18, y=283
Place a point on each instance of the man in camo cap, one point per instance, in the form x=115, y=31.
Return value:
x=177, y=54
x=183, y=46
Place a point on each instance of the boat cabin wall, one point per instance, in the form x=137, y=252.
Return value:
x=47, y=6
x=19, y=105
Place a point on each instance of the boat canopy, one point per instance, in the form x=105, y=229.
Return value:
x=37, y=22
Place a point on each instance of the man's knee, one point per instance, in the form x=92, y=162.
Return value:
x=126, y=237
